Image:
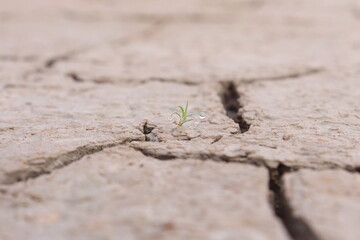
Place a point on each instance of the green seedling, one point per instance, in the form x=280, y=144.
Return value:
x=184, y=115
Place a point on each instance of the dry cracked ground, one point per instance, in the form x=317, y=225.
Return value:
x=87, y=151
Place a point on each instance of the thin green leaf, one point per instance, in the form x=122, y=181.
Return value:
x=176, y=113
x=186, y=108
x=182, y=111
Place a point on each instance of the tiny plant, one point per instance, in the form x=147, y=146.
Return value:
x=183, y=115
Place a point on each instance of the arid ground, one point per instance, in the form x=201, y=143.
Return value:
x=87, y=149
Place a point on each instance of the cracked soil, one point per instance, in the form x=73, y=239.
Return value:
x=88, y=152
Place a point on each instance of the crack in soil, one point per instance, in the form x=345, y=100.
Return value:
x=230, y=99
x=297, y=228
x=119, y=81
x=171, y=80
x=199, y=156
x=52, y=61
x=150, y=136
x=75, y=77
x=218, y=138
x=293, y=75
x=47, y=165
x=246, y=158
x=155, y=156
x=15, y=58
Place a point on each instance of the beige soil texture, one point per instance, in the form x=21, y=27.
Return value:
x=87, y=149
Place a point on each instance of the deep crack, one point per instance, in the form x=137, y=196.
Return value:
x=230, y=100
x=297, y=228
x=150, y=135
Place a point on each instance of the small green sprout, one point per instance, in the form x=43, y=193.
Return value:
x=183, y=115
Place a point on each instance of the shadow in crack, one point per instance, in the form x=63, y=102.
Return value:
x=230, y=100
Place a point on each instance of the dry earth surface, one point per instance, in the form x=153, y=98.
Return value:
x=87, y=150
